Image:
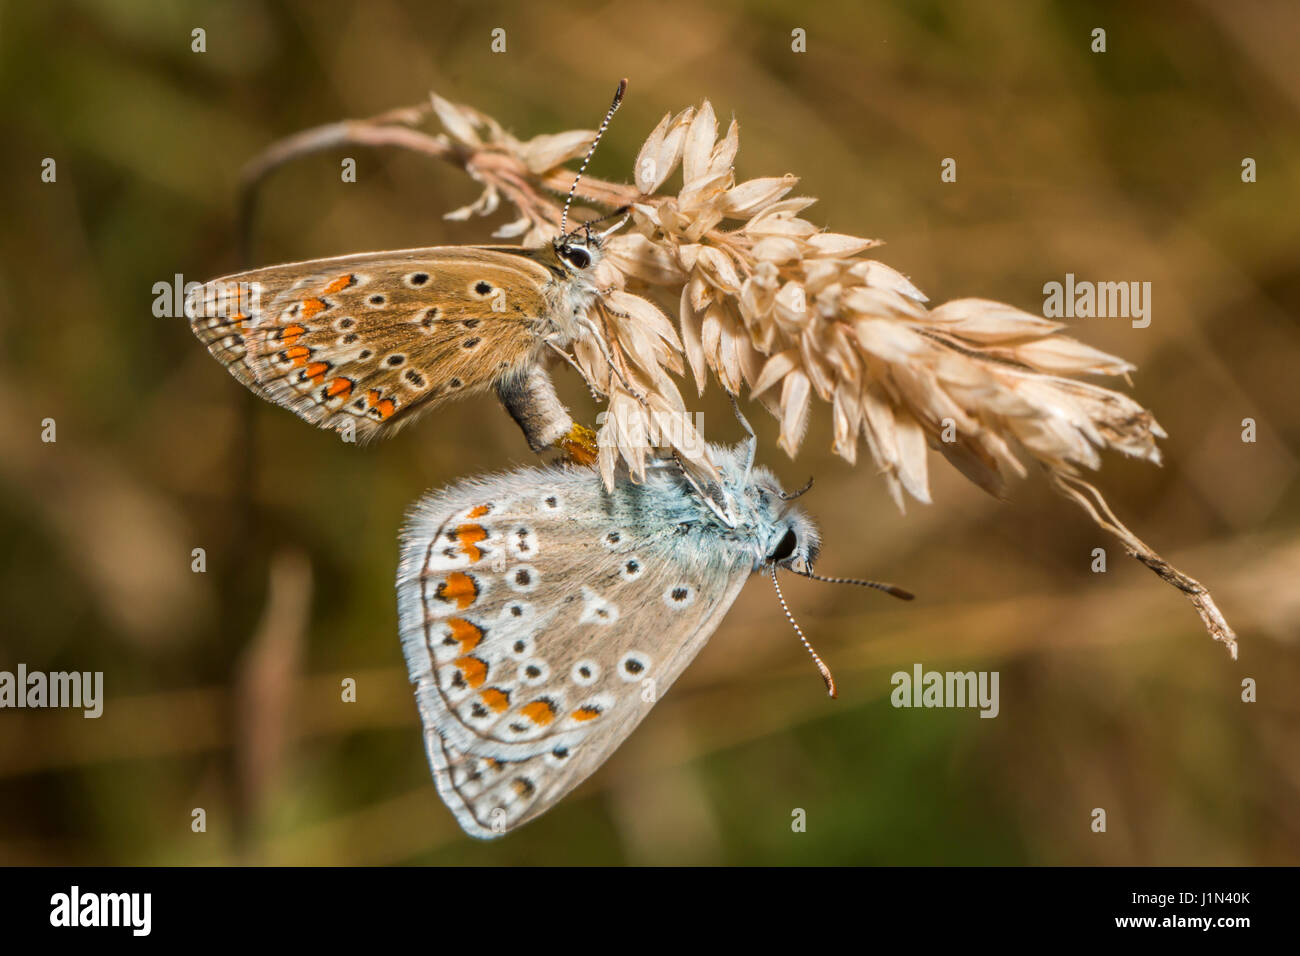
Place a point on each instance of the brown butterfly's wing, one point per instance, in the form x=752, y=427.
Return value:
x=374, y=339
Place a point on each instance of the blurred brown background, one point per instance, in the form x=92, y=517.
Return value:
x=223, y=687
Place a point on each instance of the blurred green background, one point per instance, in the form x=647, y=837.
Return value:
x=223, y=687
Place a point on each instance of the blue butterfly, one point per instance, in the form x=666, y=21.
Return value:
x=542, y=617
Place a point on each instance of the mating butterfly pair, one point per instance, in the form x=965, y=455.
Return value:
x=541, y=616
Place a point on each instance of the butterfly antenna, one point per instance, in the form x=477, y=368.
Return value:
x=625, y=212
x=792, y=495
x=821, y=665
x=613, y=108
x=890, y=589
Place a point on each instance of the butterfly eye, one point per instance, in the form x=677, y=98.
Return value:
x=578, y=257
x=785, y=547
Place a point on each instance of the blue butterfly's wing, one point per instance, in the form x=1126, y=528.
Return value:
x=540, y=622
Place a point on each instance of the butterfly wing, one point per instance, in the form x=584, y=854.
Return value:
x=540, y=621
x=374, y=339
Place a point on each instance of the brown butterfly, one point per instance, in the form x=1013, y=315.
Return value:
x=363, y=344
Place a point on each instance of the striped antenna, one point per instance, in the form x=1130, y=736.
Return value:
x=613, y=108
x=821, y=665
x=891, y=589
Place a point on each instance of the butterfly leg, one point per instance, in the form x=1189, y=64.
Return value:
x=530, y=399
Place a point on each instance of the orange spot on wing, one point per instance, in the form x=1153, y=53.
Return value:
x=339, y=284
x=473, y=670
x=496, y=699
x=291, y=334
x=480, y=511
x=298, y=353
x=340, y=386
x=317, y=370
x=311, y=306
x=468, y=536
x=386, y=408
x=459, y=588
x=372, y=397
x=539, y=712
x=586, y=713
x=466, y=633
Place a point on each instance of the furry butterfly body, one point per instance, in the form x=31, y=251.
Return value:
x=369, y=342
x=541, y=617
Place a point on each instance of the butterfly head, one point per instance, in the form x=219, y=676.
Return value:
x=780, y=533
x=578, y=251
x=581, y=249
x=798, y=543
